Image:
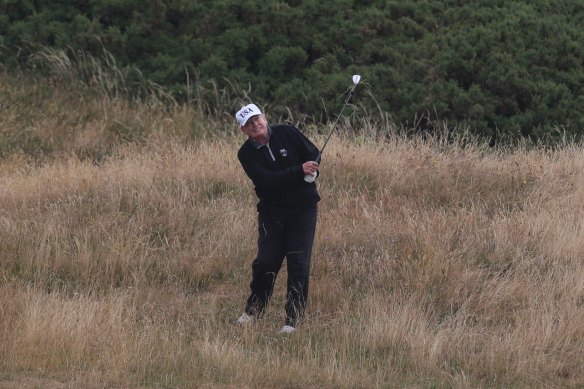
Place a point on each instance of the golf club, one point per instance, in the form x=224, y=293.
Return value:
x=356, y=79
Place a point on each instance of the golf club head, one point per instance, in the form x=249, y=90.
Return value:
x=356, y=79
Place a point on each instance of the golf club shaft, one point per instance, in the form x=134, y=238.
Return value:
x=336, y=121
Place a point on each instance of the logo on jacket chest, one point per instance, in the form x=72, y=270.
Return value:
x=284, y=152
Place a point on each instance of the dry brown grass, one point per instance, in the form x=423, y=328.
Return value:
x=435, y=265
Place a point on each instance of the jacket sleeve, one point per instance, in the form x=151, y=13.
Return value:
x=266, y=179
x=310, y=151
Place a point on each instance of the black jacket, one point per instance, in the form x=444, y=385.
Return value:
x=276, y=169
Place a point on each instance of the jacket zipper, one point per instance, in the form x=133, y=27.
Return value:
x=271, y=155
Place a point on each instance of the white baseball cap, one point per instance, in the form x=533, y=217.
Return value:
x=246, y=112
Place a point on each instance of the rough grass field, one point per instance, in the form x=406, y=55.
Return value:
x=125, y=263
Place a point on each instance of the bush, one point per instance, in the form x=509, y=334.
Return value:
x=491, y=66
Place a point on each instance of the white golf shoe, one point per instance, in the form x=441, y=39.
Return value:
x=244, y=319
x=287, y=330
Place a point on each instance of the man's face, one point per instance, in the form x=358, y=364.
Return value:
x=256, y=128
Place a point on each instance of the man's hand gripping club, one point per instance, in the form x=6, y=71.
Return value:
x=310, y=169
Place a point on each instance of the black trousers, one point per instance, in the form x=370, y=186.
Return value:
x=290, y=236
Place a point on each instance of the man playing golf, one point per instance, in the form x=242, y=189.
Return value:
x=282, y=164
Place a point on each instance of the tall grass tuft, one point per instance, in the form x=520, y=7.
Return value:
x=75, y=103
